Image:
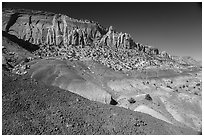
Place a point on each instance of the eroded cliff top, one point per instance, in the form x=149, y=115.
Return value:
x=60, y=35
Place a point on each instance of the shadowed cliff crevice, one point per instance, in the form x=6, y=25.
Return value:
x=12, y=20
x=24, y=44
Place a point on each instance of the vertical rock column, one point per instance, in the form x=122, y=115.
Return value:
x=37, y=33
x=118, y=40
x=75, y=37
x=53, y=31
x=49, y=36
x=58, y=26
x=28, y=32
x=65, y=33
x=113, y=35
x=39, y=37
x=122, y=40
x=110, y=36
x=81, y=37
x=57, y=33
x=69, y=37
x=84, y=37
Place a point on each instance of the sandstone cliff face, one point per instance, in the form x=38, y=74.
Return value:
x=56, y=33
x=125, y=41
x=41, y=28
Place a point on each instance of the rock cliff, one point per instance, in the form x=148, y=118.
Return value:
x=60, y=35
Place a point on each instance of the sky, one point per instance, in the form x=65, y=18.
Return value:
x=169, y=26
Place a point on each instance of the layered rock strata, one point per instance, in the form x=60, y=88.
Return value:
x=60, y=35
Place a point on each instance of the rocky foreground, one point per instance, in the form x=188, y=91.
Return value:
x=143, y=90
x=31, y=108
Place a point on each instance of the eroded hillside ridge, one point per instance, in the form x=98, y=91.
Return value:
x=43, y=28
x=52, y=29
x=58, y=35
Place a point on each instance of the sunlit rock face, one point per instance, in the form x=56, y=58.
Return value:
x=42, y=28
x=52, y=29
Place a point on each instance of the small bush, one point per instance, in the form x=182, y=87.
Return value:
x=132, y=100
x=148, y=97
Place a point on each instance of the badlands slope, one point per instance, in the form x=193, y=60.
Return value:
x=176, y=100
x=33, y=108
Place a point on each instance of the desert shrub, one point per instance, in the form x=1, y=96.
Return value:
x=148, y=97
x=131, y=100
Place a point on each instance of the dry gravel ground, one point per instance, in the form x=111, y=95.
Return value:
x=30, y=108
